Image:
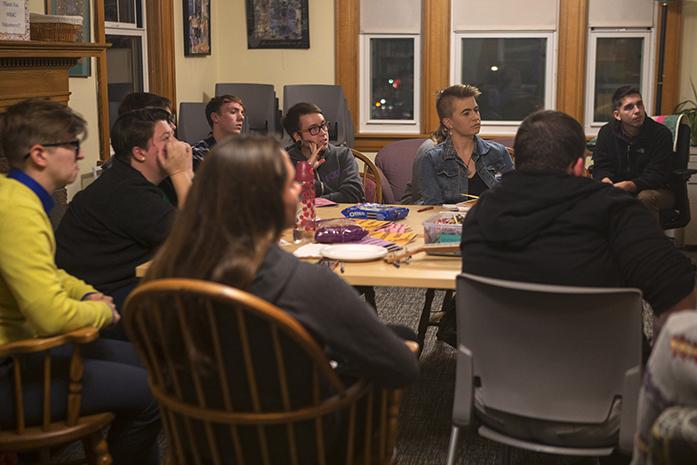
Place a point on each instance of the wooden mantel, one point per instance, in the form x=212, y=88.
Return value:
x=35, y=48
x=40, y=69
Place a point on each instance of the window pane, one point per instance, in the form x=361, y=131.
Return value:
x=392, y=79
x=124, y=70
x=618, y=62
x=111, y=12
x=126, y=11
x=510, y=73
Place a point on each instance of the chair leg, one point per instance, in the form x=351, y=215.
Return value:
x=506, y=455
x=96, y=450
x=425, y=318
x=452, y=448
x=370, y=297
x=45, y=456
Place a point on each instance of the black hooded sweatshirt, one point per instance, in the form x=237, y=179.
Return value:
x=560, y=229
x=645, y=160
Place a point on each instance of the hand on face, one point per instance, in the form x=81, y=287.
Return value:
x=175, y=157
x=315, y=153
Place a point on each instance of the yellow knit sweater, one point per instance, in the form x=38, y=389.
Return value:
x=37, y=298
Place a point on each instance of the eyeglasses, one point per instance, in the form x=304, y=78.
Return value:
x=75, y=144
x=314, y=130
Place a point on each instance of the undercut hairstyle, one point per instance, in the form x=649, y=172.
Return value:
x=139, y=100
x=135, y=129
x=291, y=121
x=217, y=102
x=444, y=106
x=621, y=93
x=234, y=212
x=548, y=141
x=37, y=121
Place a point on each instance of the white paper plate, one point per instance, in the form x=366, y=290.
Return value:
x=354, y=252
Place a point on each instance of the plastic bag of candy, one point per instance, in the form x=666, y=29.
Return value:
x=338, y=231
x=375, y=211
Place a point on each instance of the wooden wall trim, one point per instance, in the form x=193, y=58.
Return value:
x=102, y=80
x=435, y=58
x=671, y=64
x=571, y=59
x=161, y=66
x=346, y=66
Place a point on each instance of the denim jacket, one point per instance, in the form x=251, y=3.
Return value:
x=444, y=174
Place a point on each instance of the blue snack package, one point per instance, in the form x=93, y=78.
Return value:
x=375, y=211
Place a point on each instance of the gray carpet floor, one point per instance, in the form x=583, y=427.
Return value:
x=425, y=413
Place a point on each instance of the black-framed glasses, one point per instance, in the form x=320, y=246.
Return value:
x=75, y=144
x=314, y=130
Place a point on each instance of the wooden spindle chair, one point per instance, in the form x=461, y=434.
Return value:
x=51, y=433
x=370, y=177
x=240, y=381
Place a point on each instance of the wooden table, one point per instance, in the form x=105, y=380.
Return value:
x=423, y=271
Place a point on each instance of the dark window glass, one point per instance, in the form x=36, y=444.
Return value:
x=127, y=13
x=124, y=70
x=111, y=11
x=618, y=62
x=392, y=79
x=510, y=73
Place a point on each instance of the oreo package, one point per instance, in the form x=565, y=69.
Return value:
x=375, y=211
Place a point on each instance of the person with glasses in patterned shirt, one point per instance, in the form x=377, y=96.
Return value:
x=336, y=170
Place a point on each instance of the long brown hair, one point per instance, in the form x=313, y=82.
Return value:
x=234, y=212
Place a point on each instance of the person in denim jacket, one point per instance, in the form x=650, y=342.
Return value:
x=463, y=164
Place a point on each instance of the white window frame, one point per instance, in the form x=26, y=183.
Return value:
x=647, y=69
x=384, y=126
x=550, y=97
x=132, y=29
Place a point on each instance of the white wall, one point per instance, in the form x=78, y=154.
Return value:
x=688, y=53
x=277, y=66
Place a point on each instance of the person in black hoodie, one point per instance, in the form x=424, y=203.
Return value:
x=548, y=224
x=633, y=152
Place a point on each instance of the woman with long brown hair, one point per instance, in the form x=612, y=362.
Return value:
x=244, y=196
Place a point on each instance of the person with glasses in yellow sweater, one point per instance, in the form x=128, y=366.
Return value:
x=41, y=142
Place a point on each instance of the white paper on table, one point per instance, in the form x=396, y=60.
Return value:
x=309, y=251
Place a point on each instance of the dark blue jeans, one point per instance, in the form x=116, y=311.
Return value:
x=113, y=381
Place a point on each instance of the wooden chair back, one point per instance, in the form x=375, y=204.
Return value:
x=51, y=432
x=371, y=177
x=240, y=381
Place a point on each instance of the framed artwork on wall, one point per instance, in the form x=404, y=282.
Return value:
x=75, y=8
x=197, y=27
x=278, y=24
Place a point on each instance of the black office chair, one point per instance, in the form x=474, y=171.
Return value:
x=679, y=215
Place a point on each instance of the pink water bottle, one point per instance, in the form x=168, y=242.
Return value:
x=305, y=225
